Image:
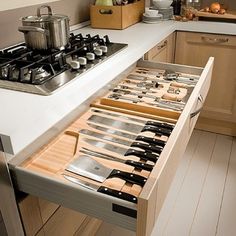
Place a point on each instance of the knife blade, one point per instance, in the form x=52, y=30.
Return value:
x=136, y=164
x=136, y=89
x=149, y=122
x=125, y=91
x=106, y=137
x=122, y=151
x=134, y=128
x=155, y=141
x=90, y=168
x=102, y=189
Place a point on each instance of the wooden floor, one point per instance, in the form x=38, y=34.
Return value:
x=202, y=197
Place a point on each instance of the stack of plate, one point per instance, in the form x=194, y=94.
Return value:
x=167, y=13
x=152, y=19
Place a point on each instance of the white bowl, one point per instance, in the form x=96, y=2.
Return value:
x=162, y=3
x=151, y=12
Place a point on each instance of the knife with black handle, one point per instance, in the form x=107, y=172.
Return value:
x=154, y=141
x=136, y=164
x=160, y=124
x=129, y=177
x=118, y=194
x=142, y=155
x=147, y=147
x=102, y=189
x=156, y=130
x=90, y=168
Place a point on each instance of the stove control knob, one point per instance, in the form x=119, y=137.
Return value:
x=82, y=61
x=98, y=52
x=74, y=65
x=90, y=56
x=104, y=49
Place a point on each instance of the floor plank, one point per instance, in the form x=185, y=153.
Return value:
x=176, y=184
x=180, y=221
x=206, y=217
x=227, y=219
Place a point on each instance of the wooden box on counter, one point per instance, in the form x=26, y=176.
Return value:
x=116, y=17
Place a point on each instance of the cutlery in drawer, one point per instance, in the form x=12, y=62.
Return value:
x=88, y=167
x=107, y=137
x=102, y=189
x=136, y=164
x=126, y=126
x=110, y=130
x=143, y=155
x=159, y=124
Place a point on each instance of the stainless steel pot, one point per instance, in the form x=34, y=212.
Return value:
x=45, y=31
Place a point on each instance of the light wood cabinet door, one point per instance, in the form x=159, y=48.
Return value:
x=219, y=111
x=163, y=51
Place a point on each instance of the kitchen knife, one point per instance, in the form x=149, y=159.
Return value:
x=134, y=128
x=102, y=189
x=122, y=151
x=112, y=131
x=106, y=137
x=156, y=131
x=155, y=141
x=90, y=168
x=136, y=164
x=140, y=95
x=136, y=89
x=153, y=123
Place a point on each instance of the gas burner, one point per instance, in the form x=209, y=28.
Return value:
x=44, y=72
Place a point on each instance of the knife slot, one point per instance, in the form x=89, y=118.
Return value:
x=54, y=157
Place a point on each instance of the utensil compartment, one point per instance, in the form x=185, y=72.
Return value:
x=42, y=174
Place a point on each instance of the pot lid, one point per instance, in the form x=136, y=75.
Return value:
x=44, y=17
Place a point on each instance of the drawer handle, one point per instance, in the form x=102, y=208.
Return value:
x=200, y=98
x=215, y=40
x=162, y=46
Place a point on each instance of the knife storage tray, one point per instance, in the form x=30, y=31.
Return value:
x=145, y=107
x=41, y=173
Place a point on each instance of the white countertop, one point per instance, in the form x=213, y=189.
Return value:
x=24, y=117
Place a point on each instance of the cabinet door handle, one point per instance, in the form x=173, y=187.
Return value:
x=215, y=40
x=162, y=45
x=200, y=98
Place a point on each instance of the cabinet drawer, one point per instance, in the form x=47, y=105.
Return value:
x=211, y=39
x=41, y=174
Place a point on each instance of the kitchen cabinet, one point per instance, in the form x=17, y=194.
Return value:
x=41, y=174
x=163, y=51
x=41, y=217
x=219, y=111
x=8, y=5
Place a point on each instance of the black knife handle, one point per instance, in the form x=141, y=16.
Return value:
x=143, y=155
x=156, y=130
x=155, y=141
x=160, y=124
x=118, y=194
x=147, y=147
x=129, y=177
x=139, y=165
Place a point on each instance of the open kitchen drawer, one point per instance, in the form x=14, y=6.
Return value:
x=41, y=174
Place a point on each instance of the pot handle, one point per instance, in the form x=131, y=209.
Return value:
x=26, y=29
x=44, y=6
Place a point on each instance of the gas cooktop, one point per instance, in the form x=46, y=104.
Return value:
x=44, y=72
